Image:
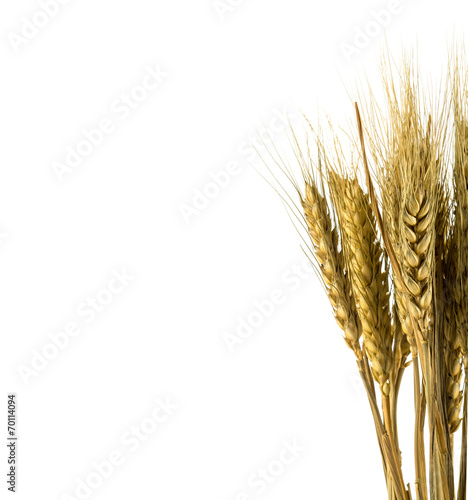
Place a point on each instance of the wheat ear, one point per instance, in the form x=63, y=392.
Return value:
x=324, y=238
x=364, y=262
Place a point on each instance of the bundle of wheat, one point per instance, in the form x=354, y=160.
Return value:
x=388, y=235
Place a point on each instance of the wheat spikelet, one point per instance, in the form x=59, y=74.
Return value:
x=364, y=261
x=325, y=243
x=445, y=255
x=460, y=261
x=417, y=247
x=408, y=181
x=452, y=335
x=456, y=307
x=392, y=185
x=401, y=346
x=453, y=364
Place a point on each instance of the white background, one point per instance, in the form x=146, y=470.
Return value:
x=229, y=73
